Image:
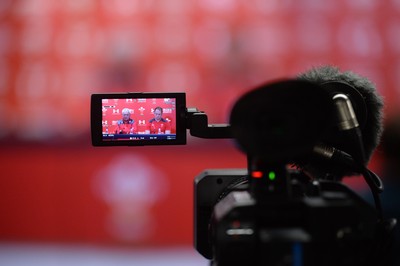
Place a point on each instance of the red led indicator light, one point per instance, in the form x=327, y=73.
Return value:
x=257, y=174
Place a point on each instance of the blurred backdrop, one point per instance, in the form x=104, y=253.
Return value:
x=56, y=188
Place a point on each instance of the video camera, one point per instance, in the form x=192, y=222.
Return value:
x=281, y=210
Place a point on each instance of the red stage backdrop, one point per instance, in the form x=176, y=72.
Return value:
x=54, y=54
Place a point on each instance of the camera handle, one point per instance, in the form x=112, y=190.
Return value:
x=197, y=123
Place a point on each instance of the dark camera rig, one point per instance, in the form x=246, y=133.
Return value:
x=279, y=211
x=289, y=207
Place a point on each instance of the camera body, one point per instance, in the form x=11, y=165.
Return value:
x=289, y=207
x=318, y=223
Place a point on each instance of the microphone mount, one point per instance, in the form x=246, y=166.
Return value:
x=197, y=123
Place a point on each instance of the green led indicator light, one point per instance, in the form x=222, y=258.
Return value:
x=271, y=175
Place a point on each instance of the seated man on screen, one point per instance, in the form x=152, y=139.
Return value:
x=159, y=125
x=126, y=125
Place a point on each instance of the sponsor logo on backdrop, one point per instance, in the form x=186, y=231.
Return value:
x=167, y=110
x=168, y=101
x=130, y=185
x=141, y=110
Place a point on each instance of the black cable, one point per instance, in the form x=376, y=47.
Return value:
x=373, y=180
x=376, y=186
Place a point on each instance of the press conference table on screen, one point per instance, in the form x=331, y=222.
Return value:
x=138, y=136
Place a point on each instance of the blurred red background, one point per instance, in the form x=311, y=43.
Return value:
x=55, y=187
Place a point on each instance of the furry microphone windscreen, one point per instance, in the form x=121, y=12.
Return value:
x=372, y=128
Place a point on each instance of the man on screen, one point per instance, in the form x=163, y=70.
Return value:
x=126, y=125
x=159, y=125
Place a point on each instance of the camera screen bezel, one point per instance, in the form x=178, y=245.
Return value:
x=96, y=119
